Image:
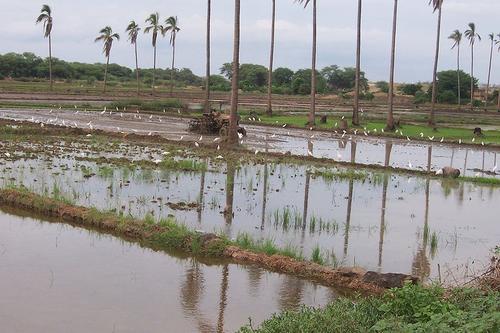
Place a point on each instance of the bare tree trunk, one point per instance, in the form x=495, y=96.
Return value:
x=154, y=71
x=172, y=70
x=458, y=76
x=207, y=80
x=432, y=121
x=489, y=75
x=223, y=298
x=472, y=77
x=106, y=73
x=137, y=69
x=312, y=114
x=233, y=118
x=390, y=114
x=269, y=110
x=50, y=62
x=355, y=114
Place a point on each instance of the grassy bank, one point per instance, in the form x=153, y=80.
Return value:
x=167, y=234
x=408, y=309
x=375, y=128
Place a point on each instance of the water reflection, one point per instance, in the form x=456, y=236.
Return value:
x=107, y=284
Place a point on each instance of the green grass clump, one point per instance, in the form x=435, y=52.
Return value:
x=266, y=246
x=412, y=308
x=481, y=180
x=317, y=256
x=331, y=175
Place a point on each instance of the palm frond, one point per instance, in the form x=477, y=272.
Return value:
x=303, y=2
x=436, y=4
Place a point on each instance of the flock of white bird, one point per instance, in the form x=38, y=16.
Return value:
x=150, y=118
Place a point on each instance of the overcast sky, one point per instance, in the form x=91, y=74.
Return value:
x=76, y=24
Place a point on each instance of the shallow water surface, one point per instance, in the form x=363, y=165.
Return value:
x=58, y=278
x=385, y=222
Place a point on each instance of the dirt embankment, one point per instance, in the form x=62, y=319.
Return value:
x=169, y=236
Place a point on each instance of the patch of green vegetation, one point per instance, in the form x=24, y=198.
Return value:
x=266, y=246
x=481, y=180
x=349, y=174
x=317, y=256
x=413, y=131
x=412, y=308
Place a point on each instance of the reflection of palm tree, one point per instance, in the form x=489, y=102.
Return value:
x=228, y=211
x=388, y=150
x=353, y=152
x=382, y=221
x=223, y=298
x=254, y=277
x=264, y=196
x=201, y=197
x=465, y=162
x=348, y=218
x=306, y=200
x=421, y=266
x=291, y=293
x=429, y=159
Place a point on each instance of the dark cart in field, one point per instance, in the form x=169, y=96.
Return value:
x=213, y=123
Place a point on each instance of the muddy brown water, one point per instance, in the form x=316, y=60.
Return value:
x=414, y=155
x=58, y=278
x=387, y=223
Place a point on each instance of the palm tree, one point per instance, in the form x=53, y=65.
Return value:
x=312, y=113
x=207, y=79
x=456, y=37
x=154, y=27
x=133, y=31
x=107, y=37
x=390, y=114
x=269, y=110
x=233, y=117
x=472, y=35
x=355, y=114
x=498, y=107
x=172, y=26
x=437, y=5
x=46, y=18
x=493, y=42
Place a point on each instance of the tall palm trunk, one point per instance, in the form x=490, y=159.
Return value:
x=390, y=114
x=106, y=73
x=355, y=114
x=472, y=77
x=207, y=80
x=154, y=71
x=269, y=110
x=432, y=121
x=459, y=92
x=50, y=62
x=312, y=113
x=172, y=70
x=137, y=69
x=233, y=118
x=489, y=74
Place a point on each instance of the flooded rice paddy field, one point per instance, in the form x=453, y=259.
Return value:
x=57, y=278
x=369, y=150
x=379, y=221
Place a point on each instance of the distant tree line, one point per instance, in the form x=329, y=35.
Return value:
x=331, y=79
x=29, y=66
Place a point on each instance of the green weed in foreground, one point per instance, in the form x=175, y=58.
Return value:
x=408, y=309
x=267, y=246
